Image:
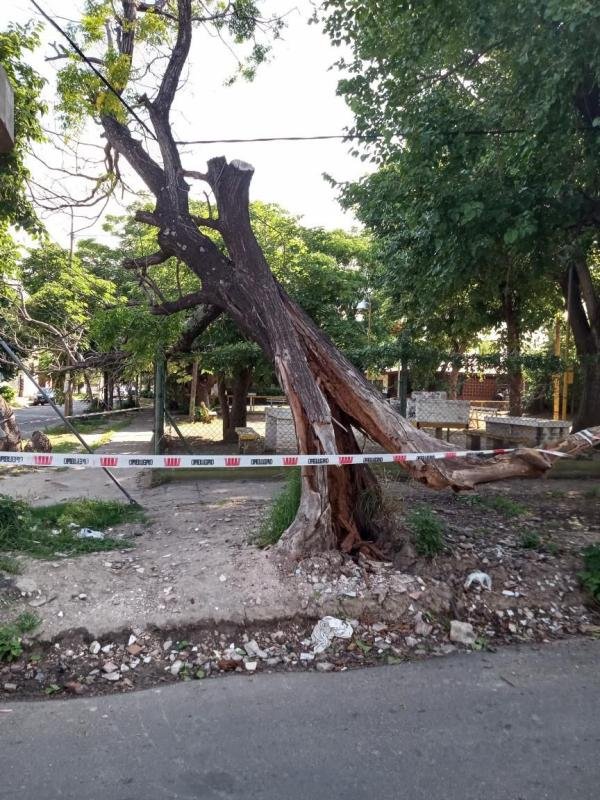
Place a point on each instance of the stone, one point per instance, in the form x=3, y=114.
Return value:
x=112, y=676
x=109, y=666
x=324, y=666
x=462, y=632
x=134, y=649
x=95, y=648
x=176, y=667
x=253, y=650
x=422, y=628
x=10, y=687
x=167, y=645
x=108, y=648
x=74, y=687
x=26, y=585
x=307, y=656
x=251, y=666
x=411, y=641
x=132, y=640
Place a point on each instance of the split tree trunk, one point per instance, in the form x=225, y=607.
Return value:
x=328, y=396
x=8, y=424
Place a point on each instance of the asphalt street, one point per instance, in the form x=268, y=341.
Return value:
x=37, y=418
x=521, y=724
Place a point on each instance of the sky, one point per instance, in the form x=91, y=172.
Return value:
x=294, y=94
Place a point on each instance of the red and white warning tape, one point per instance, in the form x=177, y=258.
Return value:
x=124, y=461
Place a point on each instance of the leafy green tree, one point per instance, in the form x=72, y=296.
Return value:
x=16, y=208
x=486, y=117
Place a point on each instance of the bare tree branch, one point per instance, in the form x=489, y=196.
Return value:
x=142, y=262
x=173, y=306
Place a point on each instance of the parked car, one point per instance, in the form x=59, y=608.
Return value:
x=43, y=397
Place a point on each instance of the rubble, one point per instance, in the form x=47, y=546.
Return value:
x=462, y=632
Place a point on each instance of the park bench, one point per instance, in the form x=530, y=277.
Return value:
x=248, y=437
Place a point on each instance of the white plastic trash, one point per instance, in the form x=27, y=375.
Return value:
x=482, y=578
x=88, y=533
x=326, y=630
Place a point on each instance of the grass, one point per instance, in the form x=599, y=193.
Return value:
x=282, y=512
x=530, y=540
x=427, y=530
x=504, y=505
x=590, y=577
x=45, y=531
x=11, y=646
x=10, y=565
x=64, y=440
x=593, y=493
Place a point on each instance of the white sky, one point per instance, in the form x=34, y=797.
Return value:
x=293, y=94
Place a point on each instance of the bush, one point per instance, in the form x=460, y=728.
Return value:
x=8, y=393
x=10, y=635
x=282, y=512
x=427, y=530
x=590, y=577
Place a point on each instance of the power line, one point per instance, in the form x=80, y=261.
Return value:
x=347, y=137
x=258, y=139
x=97, y=72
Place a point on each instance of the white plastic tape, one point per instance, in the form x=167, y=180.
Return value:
x=124, y=461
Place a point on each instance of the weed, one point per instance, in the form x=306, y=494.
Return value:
x=43, y=531
x=10, y=565
x=590, y=577
x=552, y=548
x=469, y=499
x=592, y=493
x=427, y=530
x=530, y=540
x=504, y=505
x=282, y=512
x=27, y=622
x=11, y=646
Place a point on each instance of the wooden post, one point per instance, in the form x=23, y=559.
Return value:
x=159, y=401
x=193, y=390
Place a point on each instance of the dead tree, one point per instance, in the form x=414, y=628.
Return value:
x=328, y=396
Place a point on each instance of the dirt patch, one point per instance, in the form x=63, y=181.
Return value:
x=194, y=578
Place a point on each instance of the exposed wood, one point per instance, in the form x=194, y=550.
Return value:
x=320, y=383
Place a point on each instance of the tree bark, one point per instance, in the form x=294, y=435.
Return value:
x=513, y=348
x=8, y=424
x=583, y=307
x=234, y=416
x=193, y=390
x=229, y=435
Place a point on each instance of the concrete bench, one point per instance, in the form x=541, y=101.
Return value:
x=248, y=437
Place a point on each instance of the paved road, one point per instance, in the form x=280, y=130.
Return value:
x=516, y=725
x=32, y=418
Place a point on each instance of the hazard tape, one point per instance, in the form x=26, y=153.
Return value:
x=123, y=461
